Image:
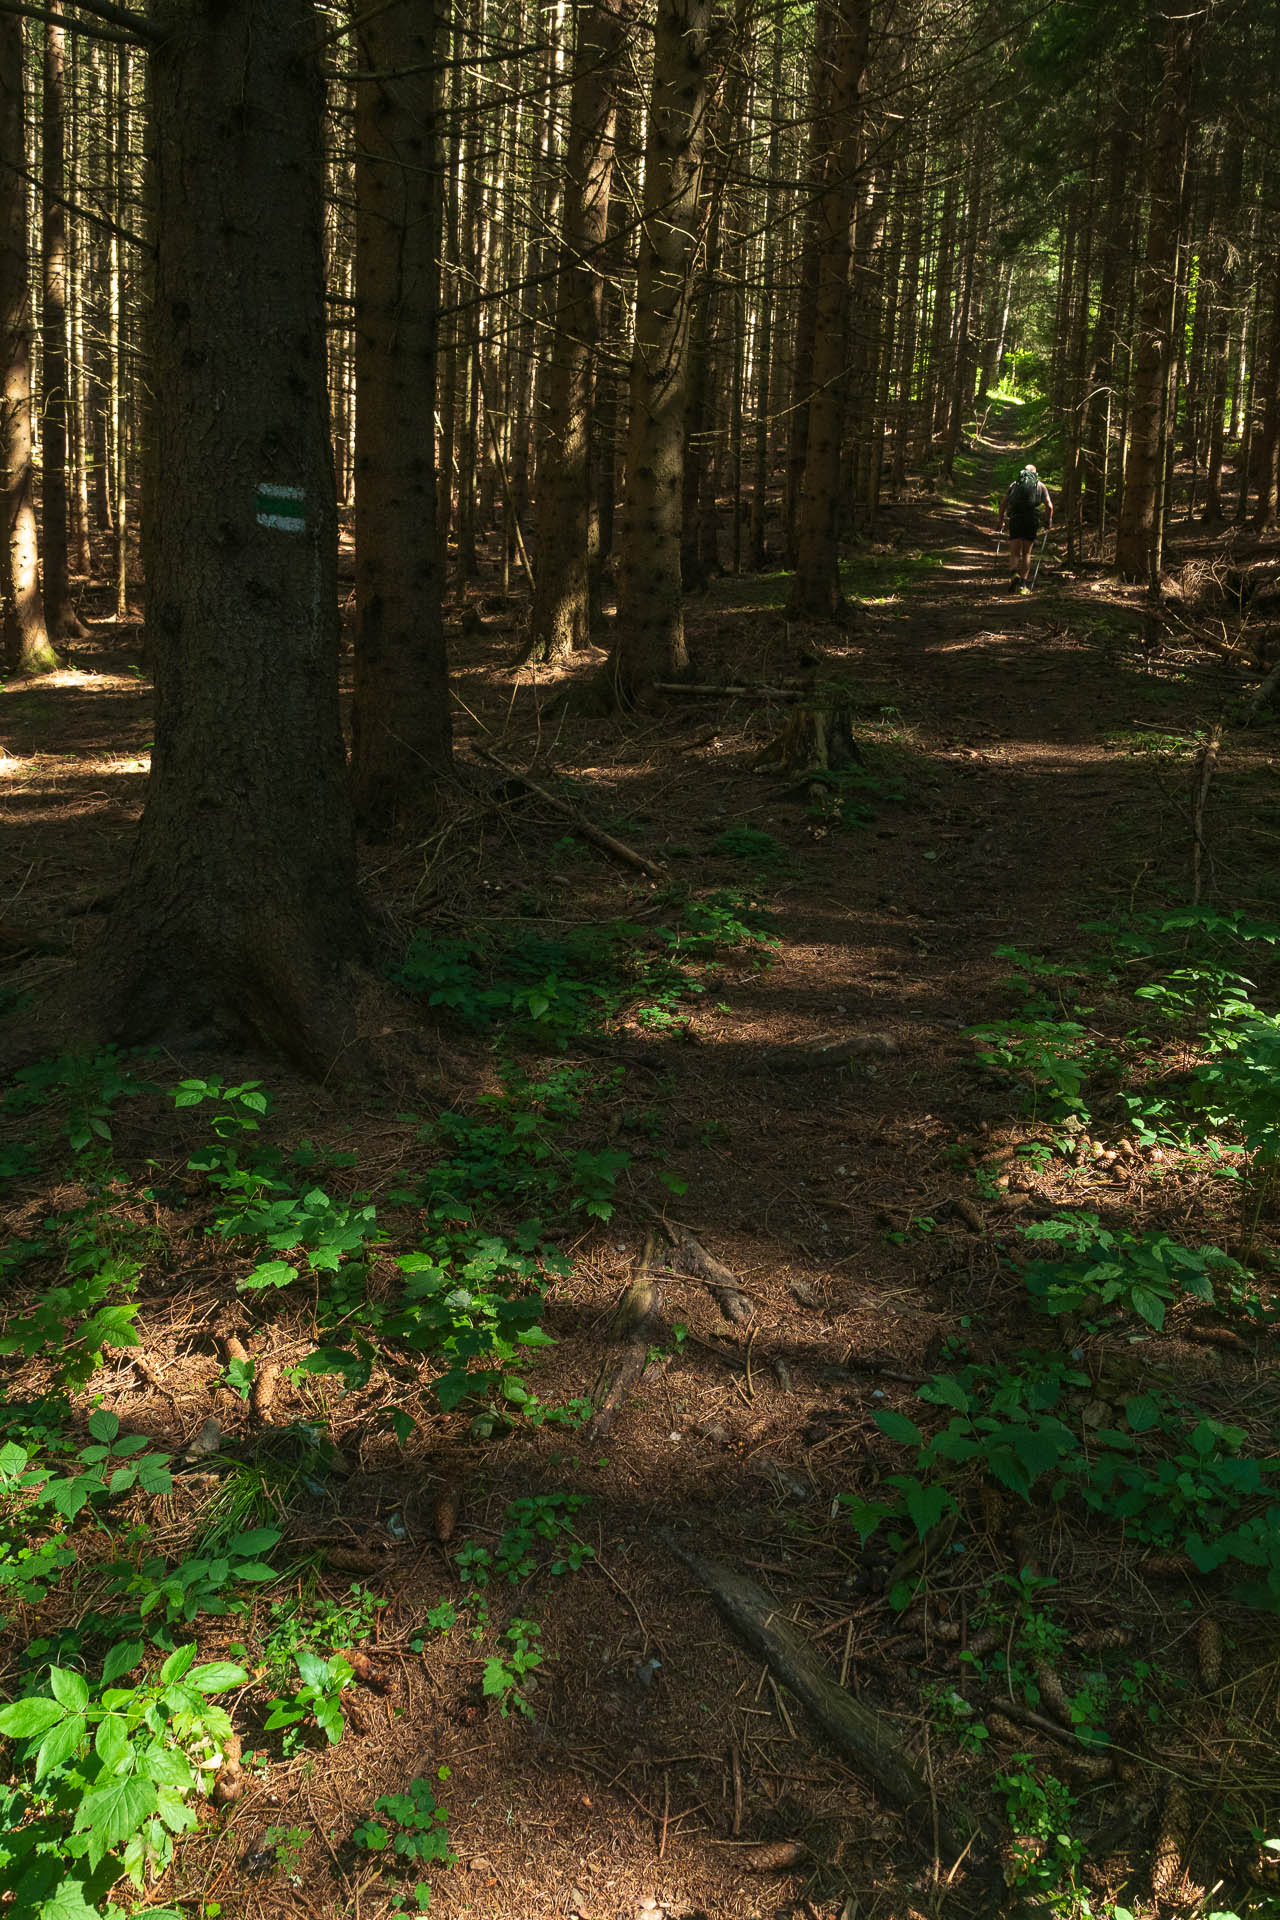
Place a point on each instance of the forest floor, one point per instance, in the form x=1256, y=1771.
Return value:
x=889, y=1215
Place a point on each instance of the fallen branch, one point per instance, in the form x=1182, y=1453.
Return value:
x=863, y=1737
x=582, y=825
x=744, y=690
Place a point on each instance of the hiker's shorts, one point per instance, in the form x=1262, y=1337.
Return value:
x=1024, y=526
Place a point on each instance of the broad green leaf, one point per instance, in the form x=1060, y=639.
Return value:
x=1149, y=1306
x=257, y=1540
x=122, y=1658
x=167, y=1767
x=31, y=1716
x=896, y=1426
x=111, y=1743
x=176, y=1814
x=272, y=1273
x=103, y=1425
x=179, y=1662
x=946, y=1392
x=329, y=1719
x=60, y=1743
x=926, y=1504
x=71, y=1689
x=111, y=1813
x=313, y=1667
x=217, y=1675
x=68, y=1902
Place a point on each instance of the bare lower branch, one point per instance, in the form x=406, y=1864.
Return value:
x=135, y=31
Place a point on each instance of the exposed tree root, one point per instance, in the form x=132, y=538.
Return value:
x=638, y=1325
x=867, y=1739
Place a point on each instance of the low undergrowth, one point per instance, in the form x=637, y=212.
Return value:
x=1077, y=1399
x=439, y=1278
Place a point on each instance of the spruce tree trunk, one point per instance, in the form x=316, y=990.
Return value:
x=1100, y=383
x=815, y=589
x=1266, y=455
x=649, y=642
x=914, y=189
x=241, y=908
x=1224, y=304
x=561, y=617
x=59, y=613
x=401, y=737
x=26, y=640
x=765, y=325
x=808, y=255
x=1136, y=533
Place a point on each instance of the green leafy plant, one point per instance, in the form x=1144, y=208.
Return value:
x=1040, y=1811
x=318, y=1698
x=1103, y=1268
x=205, y=1583
x=108, y=1779
x=320, y=1625
x=288, y=1844
x=506, y=1673
x=751, y=845
x=414, y=1832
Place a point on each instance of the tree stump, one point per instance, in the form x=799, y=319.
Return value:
x=817, y=738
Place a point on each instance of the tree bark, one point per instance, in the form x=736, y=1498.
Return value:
x=815, y=590
x=401, y=736
x=649, y=642
x=27, y=648
x=561, y=617
x=241, y=906
x=59, y=613
x=1136, y=534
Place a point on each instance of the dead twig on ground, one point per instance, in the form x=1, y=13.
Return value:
x=587, y=828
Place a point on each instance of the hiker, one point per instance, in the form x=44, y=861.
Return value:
x=1021, y=514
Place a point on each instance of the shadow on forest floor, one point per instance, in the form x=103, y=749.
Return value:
x=1028, y=766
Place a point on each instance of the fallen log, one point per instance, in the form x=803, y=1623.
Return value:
x=866, y=1739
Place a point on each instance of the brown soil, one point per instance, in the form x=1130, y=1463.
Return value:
x=1020, y=784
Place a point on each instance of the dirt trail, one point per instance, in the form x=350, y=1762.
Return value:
x=1006, y=801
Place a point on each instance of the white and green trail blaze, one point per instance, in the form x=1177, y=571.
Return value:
x=280, y=507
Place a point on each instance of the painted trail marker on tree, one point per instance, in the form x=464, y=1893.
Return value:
x=280, y=507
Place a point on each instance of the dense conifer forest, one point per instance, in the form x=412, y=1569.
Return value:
x=639, y=960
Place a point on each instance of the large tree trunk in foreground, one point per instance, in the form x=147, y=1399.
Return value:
x=561, y=618
x=815, y=590
x=650, y=643
x=401, y=734
x=26, y=640
x=61, y=615
x=241, y=903
x=1136, y=530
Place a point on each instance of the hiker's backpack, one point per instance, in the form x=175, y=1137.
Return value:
x=1024, y=494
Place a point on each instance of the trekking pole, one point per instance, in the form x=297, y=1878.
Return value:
x=999, y=544
x=1044, y=541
